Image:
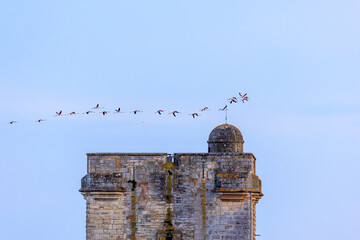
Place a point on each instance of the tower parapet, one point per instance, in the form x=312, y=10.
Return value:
x=125, y=195
x=190, y=196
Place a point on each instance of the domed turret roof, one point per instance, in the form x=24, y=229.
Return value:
x=225, y=133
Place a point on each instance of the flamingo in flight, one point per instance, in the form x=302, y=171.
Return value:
x=204, y=109
x=58, y=113
x=233, y=99
x=118, y=111
x=174, y=113
x=87, y=112
x=40, y=120
x=223, y=109
x=97, y=106
x=159, y=111
x=244, y=97
x=136, y=111
x=104, y=112
x=12, y=122
x=194, y=115
x=72, y=113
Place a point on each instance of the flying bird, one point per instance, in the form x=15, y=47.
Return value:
x=118, y=111
x=72, y=113
x=12, y=122
x=88, y=112
x=136, y=111
x=159, y=111
x=174, y=113
x=97, y=107
x=104, y=112
x=233, y=99
x=194, y=115
x=244, y=97
x=58, y=113
x=204, y=109
x=223, y=109
x=40, y=120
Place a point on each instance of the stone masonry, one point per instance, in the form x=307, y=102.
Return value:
x=168, y=197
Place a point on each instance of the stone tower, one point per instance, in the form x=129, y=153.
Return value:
x=168, y=197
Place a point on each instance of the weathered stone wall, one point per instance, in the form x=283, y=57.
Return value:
x=211, y=193
x=125, y=195
x=144, y=196
x=225, y=147
x=105, y=218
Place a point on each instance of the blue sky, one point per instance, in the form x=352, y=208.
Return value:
x=298, y=61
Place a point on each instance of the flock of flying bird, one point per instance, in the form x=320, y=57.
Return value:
x=231, y=100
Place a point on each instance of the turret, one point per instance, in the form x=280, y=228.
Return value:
x=225, y=138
